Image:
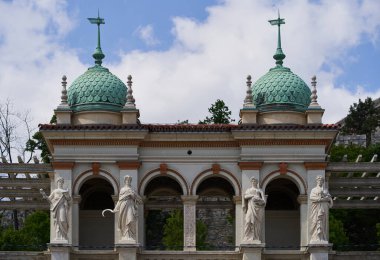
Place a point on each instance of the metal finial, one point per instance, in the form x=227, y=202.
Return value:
x=279, y=56
x=130, y=99
x=64, y=91
x=98, y=54
x=314, y=96
x=248, y=101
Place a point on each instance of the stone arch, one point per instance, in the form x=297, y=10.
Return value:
x=222, y=174
x=157, y=173
x=290, y=175
x=87, y=175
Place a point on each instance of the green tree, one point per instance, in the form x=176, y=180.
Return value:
x=363, y=118
x=220, y=114
x=33, y=236
x=337, y=234
x=37, y=142
x=173, y=232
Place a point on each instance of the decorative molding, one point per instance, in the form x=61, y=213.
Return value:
x=95, y=168
x=302, y=199
x=250, y=165
x=284, y=142
x=215, y=168
x=189, y=144
x=237, y=199
x=163, y=168
x=99, y=142
x=63, y=165
x=315, y=165
x=291, y=175
x=283, y=168
x=132, y=165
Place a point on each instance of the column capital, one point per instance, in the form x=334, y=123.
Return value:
x=63, y=165
x=237, y=199
x=250, y=165
x=77, y=199
x=189, y=199
x=315, y=165
x=129, y=165
x=302, y=199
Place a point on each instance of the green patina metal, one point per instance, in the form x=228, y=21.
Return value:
x=97, y=88
x=280, y=89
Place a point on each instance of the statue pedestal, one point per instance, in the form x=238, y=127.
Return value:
x=59, y=251
x=127, y=251
x=252, y=251
x=319, y=251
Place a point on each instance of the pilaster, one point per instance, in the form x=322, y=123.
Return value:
x=302, y=200
x=238, y=220
x=75, y=216
x=189, y=222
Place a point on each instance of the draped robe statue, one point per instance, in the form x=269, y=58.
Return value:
x=127, y=208
x=59, y=200
x=320, y=203
x=254, y=206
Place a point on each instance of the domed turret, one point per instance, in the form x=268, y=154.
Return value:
x=98, y=96
x=280, y=96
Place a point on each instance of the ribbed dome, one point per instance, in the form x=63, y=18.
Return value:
x=280, y=89
x=97, y=89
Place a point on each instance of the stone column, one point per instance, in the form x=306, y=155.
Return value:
x=238, y=220
x=302, y=200
x=189, y=222
x=75, y=222
x=319, y=251
x=130, y=168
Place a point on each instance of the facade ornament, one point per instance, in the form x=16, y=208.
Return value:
x=248, y=101
x=127, y=208
x=130, y=99
x=254, y=205
x=59, y=200
x=98, y=54
x=321, y=201
x=64, y=91
x=314, y=97
x=279, y=56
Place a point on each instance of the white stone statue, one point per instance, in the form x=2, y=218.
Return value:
x=321, y=201
x=59, y=200
x=254, y=206
x=127, y=208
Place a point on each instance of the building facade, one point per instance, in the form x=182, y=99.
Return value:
x=104, y=158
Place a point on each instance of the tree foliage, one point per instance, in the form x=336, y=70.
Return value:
x=33, y=236
x=37, y=142
x=220, y=114
x=337, y=233
x=363, y=118
x=173, y=232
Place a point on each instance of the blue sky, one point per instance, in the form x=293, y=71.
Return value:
x=183, y=55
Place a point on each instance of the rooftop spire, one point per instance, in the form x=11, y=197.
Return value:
x=98, y=54
x=279, y=56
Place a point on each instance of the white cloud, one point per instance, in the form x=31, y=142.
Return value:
x=146, y=34
x=208, y=59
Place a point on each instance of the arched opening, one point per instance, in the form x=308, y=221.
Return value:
x=95, y=231
x=215, y=214
x=163, y=196
x=282, y=215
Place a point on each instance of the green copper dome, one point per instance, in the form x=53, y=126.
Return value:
x=97, y=89
x=281, y=89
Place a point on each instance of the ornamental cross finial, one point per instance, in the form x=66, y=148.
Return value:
x=98, y=54
x=279, y=56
